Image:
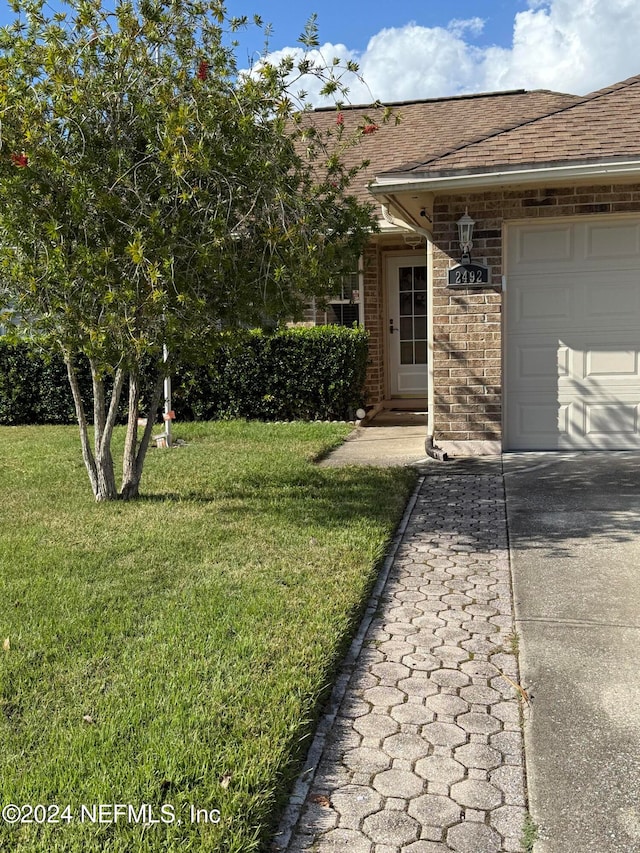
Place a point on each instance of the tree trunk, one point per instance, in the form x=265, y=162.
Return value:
x=131, y=439
x=104, y=422
x=99, y=462
x=133, y=461
x=87, y=455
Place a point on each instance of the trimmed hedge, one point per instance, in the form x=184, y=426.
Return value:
x=291, y=374
x=34, y=388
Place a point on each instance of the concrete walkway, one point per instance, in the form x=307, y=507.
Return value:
x=391, y=439
x=421, y=747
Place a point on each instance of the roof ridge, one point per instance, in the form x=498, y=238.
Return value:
x=593, y=96
x=444, y=99
x=614, y=87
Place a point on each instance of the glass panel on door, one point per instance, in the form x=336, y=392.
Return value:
x=413, y=310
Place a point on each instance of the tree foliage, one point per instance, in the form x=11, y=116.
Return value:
x=151, y=193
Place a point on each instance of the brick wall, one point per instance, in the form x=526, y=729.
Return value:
x=373, y=322
x=467, y=357
x=467, y=326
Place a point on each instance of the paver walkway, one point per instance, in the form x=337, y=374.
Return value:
x=421, y=749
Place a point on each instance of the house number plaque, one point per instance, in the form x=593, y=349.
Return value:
x=469, y=275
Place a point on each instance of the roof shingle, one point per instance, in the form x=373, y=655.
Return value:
x=433, y=129
x=604, y=125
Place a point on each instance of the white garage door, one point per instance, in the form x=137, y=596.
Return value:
x=572, y=356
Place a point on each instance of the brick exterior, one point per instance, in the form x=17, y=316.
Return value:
x=373, y=321
x=467, y=357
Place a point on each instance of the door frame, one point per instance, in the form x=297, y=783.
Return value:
x=412, y=258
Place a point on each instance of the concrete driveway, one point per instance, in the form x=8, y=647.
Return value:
x=574, y=528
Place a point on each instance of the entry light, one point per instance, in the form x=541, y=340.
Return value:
x=465, y=233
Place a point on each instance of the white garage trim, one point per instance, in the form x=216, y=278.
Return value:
x=572, y=334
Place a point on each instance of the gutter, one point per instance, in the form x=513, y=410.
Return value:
x=384, y=186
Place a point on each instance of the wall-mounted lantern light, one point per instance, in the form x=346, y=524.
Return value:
x=466, y=273
x=465, y=233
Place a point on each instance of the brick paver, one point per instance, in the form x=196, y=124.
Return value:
x=424, y=752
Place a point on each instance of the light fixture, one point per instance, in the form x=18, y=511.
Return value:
x=413, y=239
x=465, y=233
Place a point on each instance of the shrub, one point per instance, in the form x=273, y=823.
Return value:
x=34, y=387
x=291, y=374
x=20, y=374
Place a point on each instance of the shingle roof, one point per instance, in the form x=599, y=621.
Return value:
x=604, y=125
x=432, y=129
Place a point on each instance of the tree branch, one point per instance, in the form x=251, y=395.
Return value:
x=112, y=414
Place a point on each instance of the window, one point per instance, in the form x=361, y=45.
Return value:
x=343, y=314
x=343, y=308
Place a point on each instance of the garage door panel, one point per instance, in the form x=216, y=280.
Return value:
x=552, y=243
x=539, y=425
x=552, y=302
x=541, y=418
x=604, y=358
x=572, y=357
x=581, y=301
x=612, y=242
x=553, y=362
x=540, y=361
x=616, y=363
x=590, y=245
x=615, y=304
x=611, y=419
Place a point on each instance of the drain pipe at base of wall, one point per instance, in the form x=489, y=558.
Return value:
x=429, y=445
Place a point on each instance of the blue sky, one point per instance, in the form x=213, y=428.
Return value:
x=412, y=50
x=354, y=22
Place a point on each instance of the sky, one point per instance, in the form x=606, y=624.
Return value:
x=410, y=50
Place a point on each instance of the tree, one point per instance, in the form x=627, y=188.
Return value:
x=150, y=194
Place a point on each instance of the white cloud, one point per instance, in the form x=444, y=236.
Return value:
x=569, y=46
x=413, y=62
x=459, y=26
x=557, y=44
x=323, y=56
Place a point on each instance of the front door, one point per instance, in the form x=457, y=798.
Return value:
x=407, y=327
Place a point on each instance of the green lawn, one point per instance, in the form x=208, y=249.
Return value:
x=173, y=651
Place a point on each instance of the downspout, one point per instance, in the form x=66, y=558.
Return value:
x=429, y=444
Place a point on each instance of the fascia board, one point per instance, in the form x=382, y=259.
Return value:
x=384, y=186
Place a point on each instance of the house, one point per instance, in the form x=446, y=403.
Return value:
x=534, y=342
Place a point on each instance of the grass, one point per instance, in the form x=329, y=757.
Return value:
x=174, y=651
x=529, y=834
